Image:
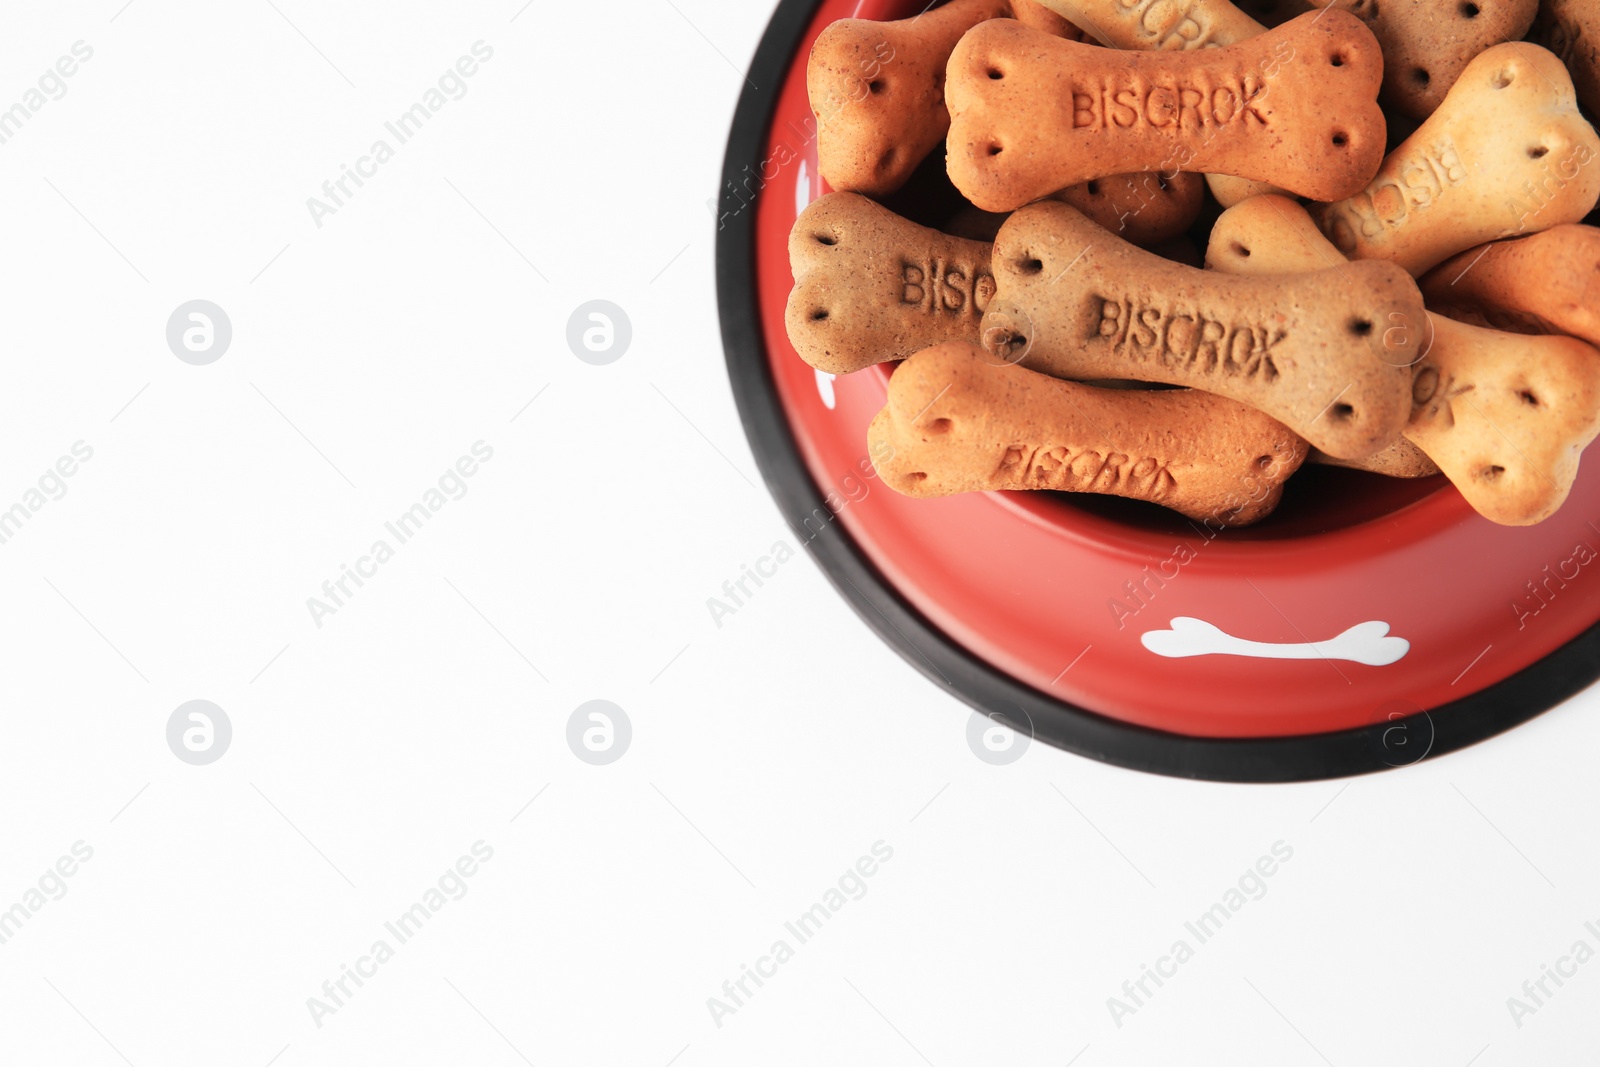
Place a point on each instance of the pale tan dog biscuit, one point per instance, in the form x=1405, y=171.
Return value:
x=1269, y=235
x=958, y=422
x=1310, y=350
x=871, y=286
x=1504, y=416
x=1507, y=417
x=1507, y=152
x=877, y=90
x=1272, y=235
x=1296, y=107
x=1546, y=283
x=1571, y=29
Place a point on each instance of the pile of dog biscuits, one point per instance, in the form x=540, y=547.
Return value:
x=1397, y=277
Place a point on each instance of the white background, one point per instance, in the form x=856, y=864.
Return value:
x=767, y=754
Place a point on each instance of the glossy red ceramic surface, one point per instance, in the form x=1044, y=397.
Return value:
x=1032, y=583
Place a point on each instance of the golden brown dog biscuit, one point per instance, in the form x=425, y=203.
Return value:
x=1159, y=24
x=1546, y=283
x=877, y=90
x=1296, y=107
x=957, y=422
x=1571, y=29
x=871, y=286
x=1311, y=350
x=1507, y=152
x=1273, y=235
x=1505, y=417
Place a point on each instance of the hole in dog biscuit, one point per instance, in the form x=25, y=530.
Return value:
x=876, y=86
x=1337, y=59
x=1343, y=412
x=994, y=150
x=1263, y=462
x=1491, y=473
x=1468, y=10
x=825, y=239
x=1425, y=385
x=1005, y=343
x=1538, y=151
x=1361, y=327
x=1341, y=139
x=1420, y=77
x=1528, y=398
x=995, y=74
x=886, y=161
x=819, y=314
x=1093, y=187
x=917, y=476
x=1501, y=79
x=940, y=426
x=1030, y=265
x=1240, y=250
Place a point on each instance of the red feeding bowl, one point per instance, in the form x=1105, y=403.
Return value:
x=1369, y=623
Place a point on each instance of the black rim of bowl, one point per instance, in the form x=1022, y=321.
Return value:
x=1385, y=744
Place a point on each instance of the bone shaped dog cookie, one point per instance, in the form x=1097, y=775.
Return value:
x=1296, y=107
x=1273, y=235
x=1161, y=24
x=1505, y=417
x=1507, y=152
x=871, y=286
x=877, y=88
x=1310, y=350
x=1546, y=283
x=1428, y=43
x=956, y=421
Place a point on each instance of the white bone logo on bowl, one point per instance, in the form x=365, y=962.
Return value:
x=1367, y=642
